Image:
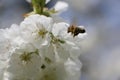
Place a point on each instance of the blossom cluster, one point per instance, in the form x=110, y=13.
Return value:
x=39, y=49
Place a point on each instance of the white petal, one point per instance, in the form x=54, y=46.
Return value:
x=61, y=6
x=73, y=69
x=60, y=29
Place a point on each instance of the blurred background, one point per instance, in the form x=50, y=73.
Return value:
x=100, y=51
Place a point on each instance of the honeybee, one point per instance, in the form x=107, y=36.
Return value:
x=75, y=30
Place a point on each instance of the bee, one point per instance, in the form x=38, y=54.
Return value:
x=74, y=30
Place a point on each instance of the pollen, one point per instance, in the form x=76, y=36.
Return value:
x=42, y=32
x=26, y=57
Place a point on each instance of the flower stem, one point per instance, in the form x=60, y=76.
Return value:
x=38, y=6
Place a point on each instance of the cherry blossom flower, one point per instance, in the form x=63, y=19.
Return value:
x=35, y=29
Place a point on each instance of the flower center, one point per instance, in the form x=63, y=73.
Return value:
x=42, y=32
x=26, y=56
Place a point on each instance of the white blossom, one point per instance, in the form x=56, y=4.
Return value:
x=24, y=62
x=9, y=40
x=42, y=67
x=35, y=29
